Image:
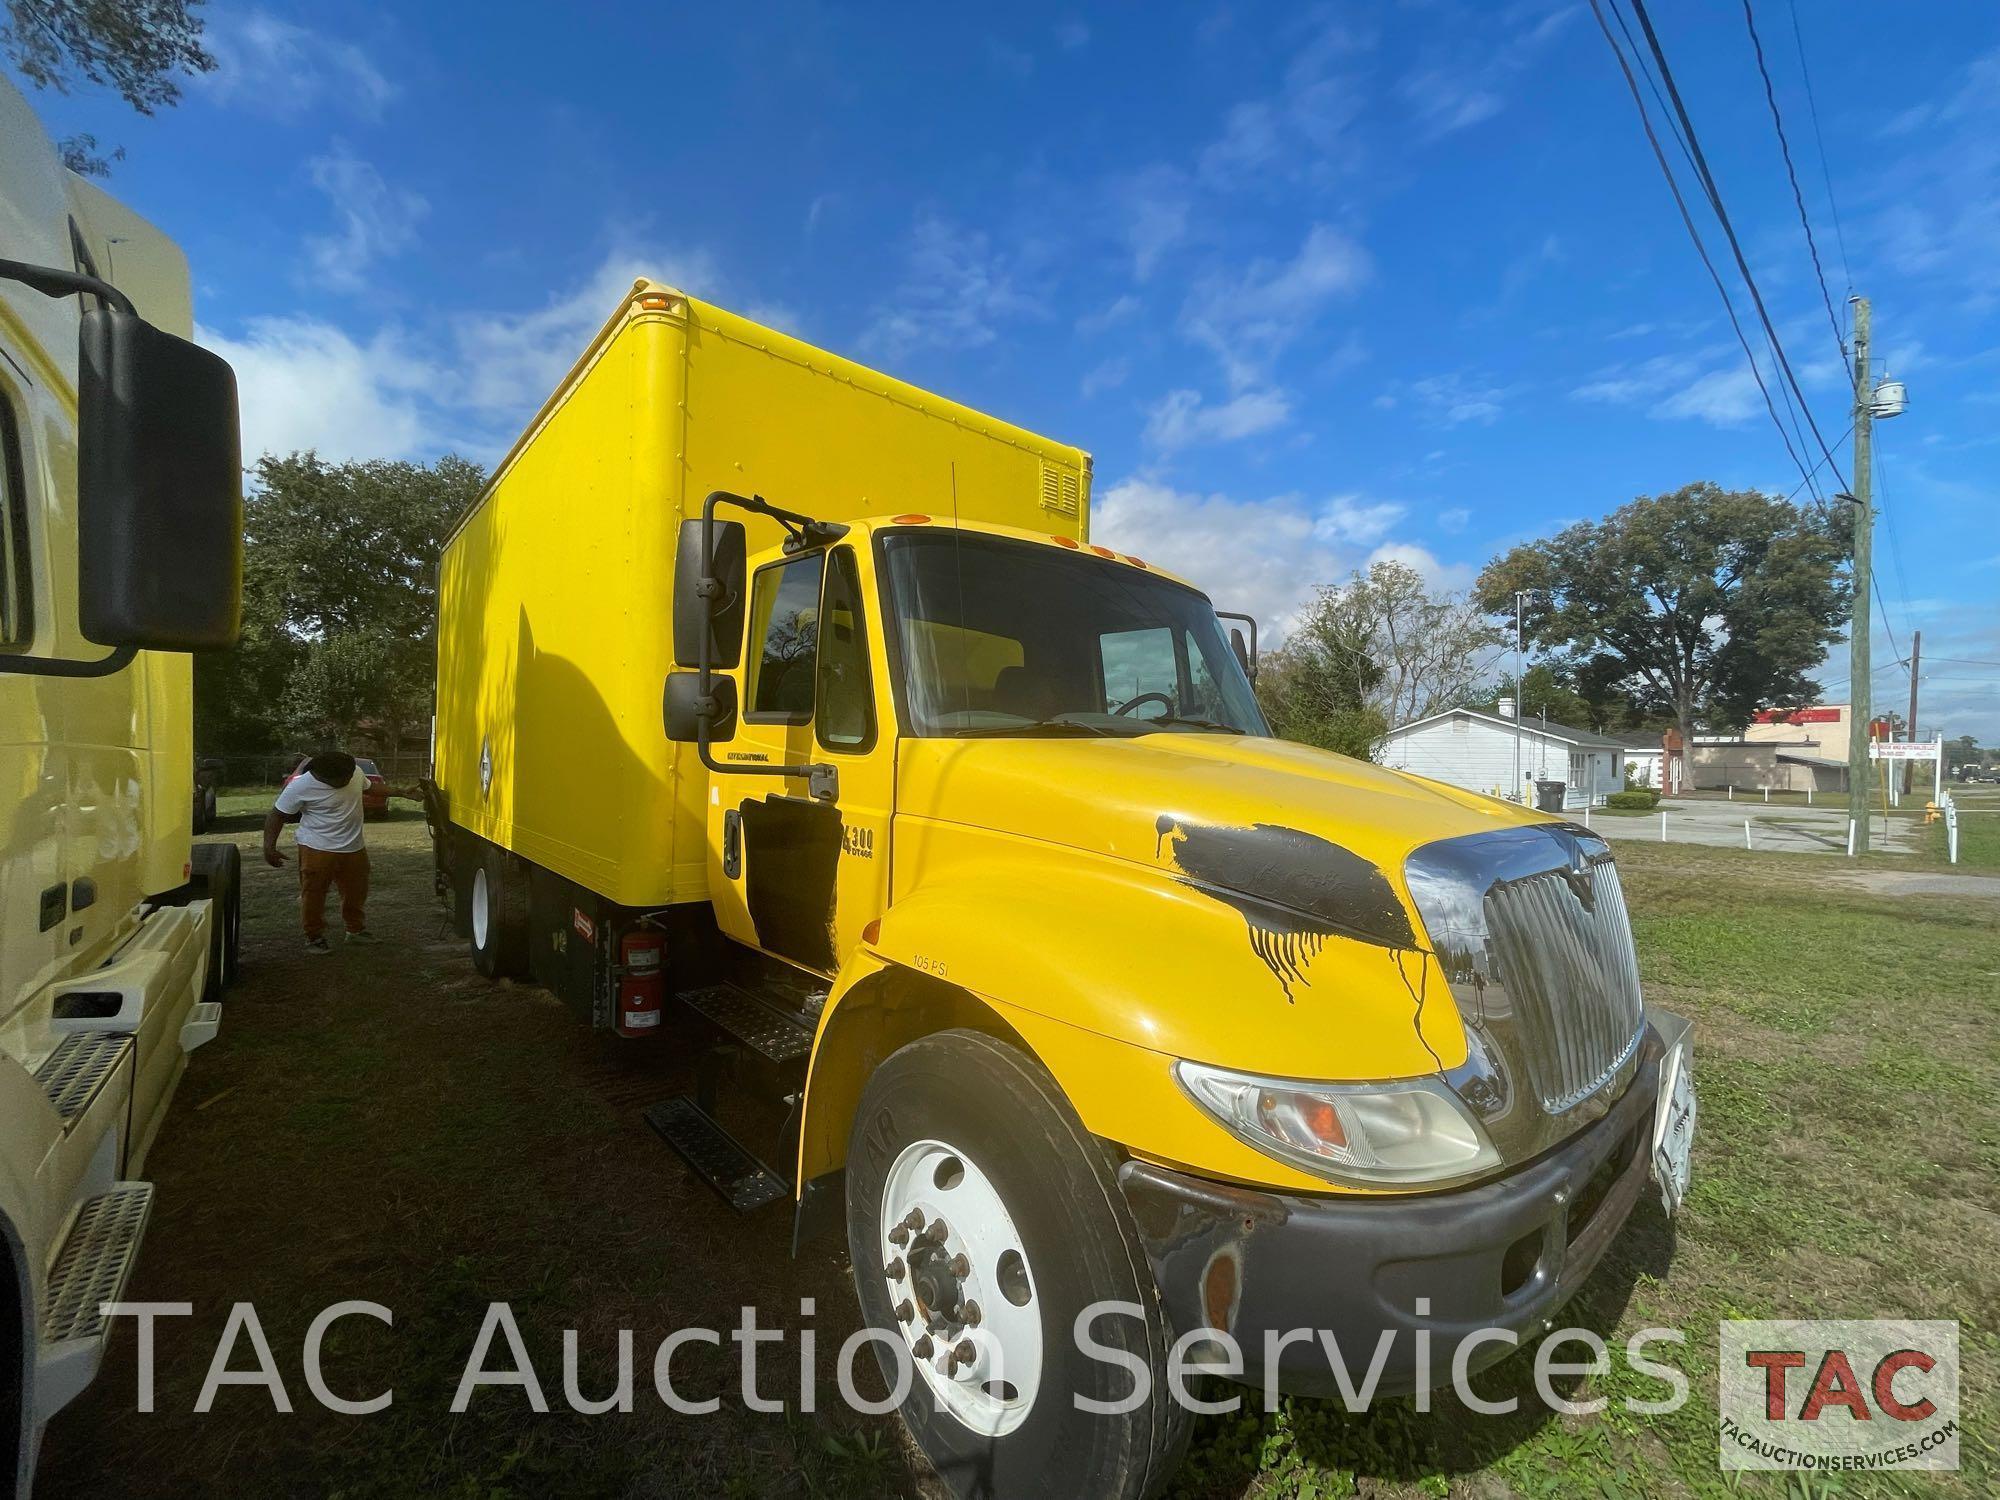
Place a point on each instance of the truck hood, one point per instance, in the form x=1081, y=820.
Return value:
x=1271, y=873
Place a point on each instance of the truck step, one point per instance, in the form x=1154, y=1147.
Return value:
x=77, y=1071
x=718, y=1158
x=762, y=1028
x=203, y=1021
x=96, y=1262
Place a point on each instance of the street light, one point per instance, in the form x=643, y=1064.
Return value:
x=1520, y=596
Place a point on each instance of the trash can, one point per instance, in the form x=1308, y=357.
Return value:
x=1549, y=795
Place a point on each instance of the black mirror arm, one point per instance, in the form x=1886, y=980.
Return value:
x=822, y=780
x=52, y=282
x=1227, y=614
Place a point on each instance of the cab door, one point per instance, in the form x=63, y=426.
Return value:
x=794, y=875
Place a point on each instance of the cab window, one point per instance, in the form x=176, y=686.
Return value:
x=845, y=711
x=784, y=621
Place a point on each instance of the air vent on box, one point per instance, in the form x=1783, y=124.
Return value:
x=1059, y=491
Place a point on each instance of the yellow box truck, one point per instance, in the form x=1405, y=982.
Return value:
x=120, y=551
x=788, y=712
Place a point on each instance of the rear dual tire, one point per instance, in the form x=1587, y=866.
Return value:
x=1032, y=1206
x=497, y=914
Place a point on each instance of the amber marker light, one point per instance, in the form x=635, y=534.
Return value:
x=910, y=521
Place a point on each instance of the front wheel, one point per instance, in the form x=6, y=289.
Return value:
x=982, y=1219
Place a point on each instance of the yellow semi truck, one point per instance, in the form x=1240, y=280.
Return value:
x=120, y=551
x=788, y=713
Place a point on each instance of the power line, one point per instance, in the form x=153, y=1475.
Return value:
x=1673, y=186
x=1812, y=108
x=1785, y=148
x=1728, y=229
x=1815, y=469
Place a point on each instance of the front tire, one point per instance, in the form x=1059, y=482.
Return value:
x=962, y=1131
x=216, y=872
x=499, y=916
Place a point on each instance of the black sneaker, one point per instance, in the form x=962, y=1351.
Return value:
x=318, y=946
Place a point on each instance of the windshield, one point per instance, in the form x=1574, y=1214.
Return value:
x=999, y=636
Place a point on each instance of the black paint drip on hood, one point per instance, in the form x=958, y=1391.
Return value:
x=1293, y=890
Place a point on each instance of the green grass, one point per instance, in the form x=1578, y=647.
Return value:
x=1978, y=830
x=383, y=1124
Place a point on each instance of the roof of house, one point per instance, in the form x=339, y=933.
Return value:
x=1645, y=739
x=1530, y=724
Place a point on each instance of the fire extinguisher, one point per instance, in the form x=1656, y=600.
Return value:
x=642, y=982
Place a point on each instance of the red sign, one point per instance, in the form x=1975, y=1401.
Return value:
x=1798, y=716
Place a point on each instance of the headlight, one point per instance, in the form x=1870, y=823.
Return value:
x=1410, y=1133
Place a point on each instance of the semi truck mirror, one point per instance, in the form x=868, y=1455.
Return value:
x=159, y=488
x=1246, y=655
x=1242, y=650
x=721, y=601
x=682, y=707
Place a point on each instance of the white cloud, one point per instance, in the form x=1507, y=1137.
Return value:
x=1181, y=418
x=1452, y=522
x=374, y=220
x=1006, y=58
x=306, y=384
x=1247, y=320
x=1470, y=86
x=1107, y=376
x=280, y=68
x=1152, y=208
x=1722, y=398
x=1439, y=575
x=1710, y=385
x=957, y=293
x=1117, y=311
x=1454, y=398
x=1072, y=34
x=1263, y=556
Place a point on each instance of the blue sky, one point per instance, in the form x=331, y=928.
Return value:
x=1313, y=285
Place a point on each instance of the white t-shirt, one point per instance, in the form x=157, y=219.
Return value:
x=329, y=816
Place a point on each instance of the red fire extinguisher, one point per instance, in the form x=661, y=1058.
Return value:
x=642, y=982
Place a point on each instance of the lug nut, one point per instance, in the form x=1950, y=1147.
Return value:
x=969, y=1314
x=899, y=1236
x=937, y=1232
x=923, y=1348
x=895, y=1269
x=914, y=1219
x=960, y=1266
x=905, y=1312
x=964, y=1353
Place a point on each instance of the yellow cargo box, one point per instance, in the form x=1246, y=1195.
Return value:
x=556, y=590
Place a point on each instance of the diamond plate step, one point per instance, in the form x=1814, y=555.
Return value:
x=717, y=1157
x=95, y=1263
x=77, y=1071
x=757, y=1025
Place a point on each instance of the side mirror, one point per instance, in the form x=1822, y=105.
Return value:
x=682, y=705
x=1246, y=656
x=720, y=602
x=159, y=489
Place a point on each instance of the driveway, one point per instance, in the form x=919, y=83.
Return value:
x=1789, y=830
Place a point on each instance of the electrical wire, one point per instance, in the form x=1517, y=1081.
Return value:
x=1799, y=198
x=1728, y=229
x=1687, y=219
x=1812, y=108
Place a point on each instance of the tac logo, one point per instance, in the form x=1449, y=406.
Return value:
x=1839, y=1395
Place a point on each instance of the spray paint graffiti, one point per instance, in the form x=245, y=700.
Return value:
x=1293, y=890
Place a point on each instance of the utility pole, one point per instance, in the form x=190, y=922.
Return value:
x=1910, y=727
x=1858, y=714
x=1520, y=706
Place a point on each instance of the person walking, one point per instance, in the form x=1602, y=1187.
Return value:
x=324, y=799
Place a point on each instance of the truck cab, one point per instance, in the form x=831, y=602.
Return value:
x=120, y=535
x=1119, y=1037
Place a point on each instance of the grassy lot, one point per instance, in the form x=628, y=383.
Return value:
x=1978, y=830
x=382, y=1124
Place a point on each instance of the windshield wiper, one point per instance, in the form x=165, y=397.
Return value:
x=1194, y=723
x=1032, y=726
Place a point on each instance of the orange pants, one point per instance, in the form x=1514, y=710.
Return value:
x=348, y=873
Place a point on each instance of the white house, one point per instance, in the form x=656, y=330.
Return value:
x=1478, y=751
x=1644, y=754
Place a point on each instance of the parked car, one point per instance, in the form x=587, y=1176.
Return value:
x=374, y=799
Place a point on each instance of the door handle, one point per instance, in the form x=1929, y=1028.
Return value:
x=55, y=905
x=732, y=843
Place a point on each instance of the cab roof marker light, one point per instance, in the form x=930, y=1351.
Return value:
x=1066, y=541
x=1103, y=551
x=1406, y=1133
x=910, y=520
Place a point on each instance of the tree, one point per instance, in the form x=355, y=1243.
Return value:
x=1543, y=690
x=1702, y=606
x=1374, y=652
x=339, y=606
x=133, y=46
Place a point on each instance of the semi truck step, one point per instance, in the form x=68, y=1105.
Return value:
x=718, y=1158
x=203, y=1021
x=96, y=1262
x=760, y=1027
x=77, y=1071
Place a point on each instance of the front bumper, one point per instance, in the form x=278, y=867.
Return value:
x=1505, y=1254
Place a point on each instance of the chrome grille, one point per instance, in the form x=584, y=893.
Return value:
x=1562, y=947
